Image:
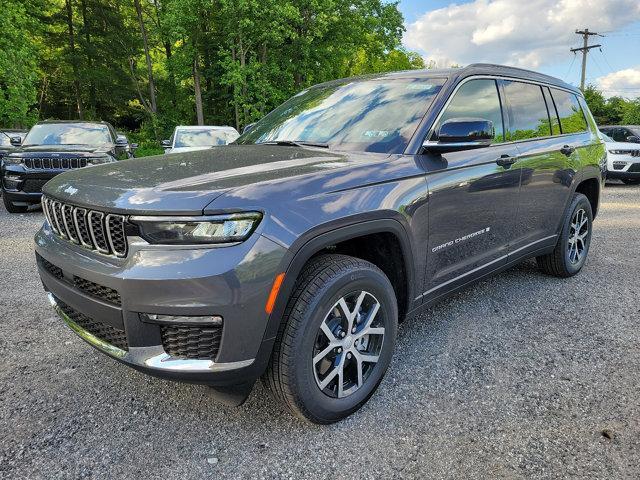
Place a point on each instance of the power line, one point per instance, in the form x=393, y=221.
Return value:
x=585, y=49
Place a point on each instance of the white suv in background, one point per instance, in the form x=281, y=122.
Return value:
x=201, y=137
x=623, y=160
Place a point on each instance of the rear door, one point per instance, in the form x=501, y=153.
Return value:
x=473, y=195
x=549, y=129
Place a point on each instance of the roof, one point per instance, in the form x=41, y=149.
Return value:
x=472, y=70
x=221, y=127
x=95, y=122
x=620, y=126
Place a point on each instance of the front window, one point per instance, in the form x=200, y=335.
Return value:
x=199, y=137
x=363, y=115
x=68, y=134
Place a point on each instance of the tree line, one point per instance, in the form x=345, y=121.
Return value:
x=152, y=64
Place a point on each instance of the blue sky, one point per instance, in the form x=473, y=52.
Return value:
x=534, y=34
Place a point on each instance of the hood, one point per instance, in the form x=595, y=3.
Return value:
x=183, y=184
x=67, y=150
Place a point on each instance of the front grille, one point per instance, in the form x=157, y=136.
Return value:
x=191, y=342
x=635, y=167
x=50, y=267
x=96, y=290
x=92, y=229
x=32, y=185
x=103, y=331
x=635, y=153
x=48, y=163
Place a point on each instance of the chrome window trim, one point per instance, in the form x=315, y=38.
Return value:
x=496, y=78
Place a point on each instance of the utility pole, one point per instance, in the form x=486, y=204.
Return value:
x=585, y=49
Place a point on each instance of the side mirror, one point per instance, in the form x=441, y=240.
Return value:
x=633, y=139
x=15, y=141
x=122, y=141
x=462, y=134
x=166, y=144
x=133, y=146
x=248, y=127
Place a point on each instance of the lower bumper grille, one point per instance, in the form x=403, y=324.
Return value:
x=99, y=291
x=191, y=342
x=32, y=185
x=104, y=332
x=635, y=168
x=50, y=267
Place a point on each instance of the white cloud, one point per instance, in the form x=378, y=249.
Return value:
x=624, y=83
x=526, y=33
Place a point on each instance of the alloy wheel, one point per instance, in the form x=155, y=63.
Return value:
x=578, y=233
x=348, y=344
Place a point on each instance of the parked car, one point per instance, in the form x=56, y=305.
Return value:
x=50, y=148
x=622, y=133
x=295, y=254
x=5, y=140
x=122, y=139
x=192, y=138
x=623, y=160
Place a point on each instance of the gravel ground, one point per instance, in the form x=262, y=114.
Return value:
x=521, y=376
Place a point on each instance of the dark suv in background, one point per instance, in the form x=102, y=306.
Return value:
x=294, y=255
x=53, y=147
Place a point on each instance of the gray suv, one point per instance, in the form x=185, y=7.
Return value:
x=295, y=254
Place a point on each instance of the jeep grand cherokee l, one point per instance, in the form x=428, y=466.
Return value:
x=53, y=147
x=294, y=255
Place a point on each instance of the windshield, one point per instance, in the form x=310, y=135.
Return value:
x=369, y=115
x=198, y=137
x=68, y=134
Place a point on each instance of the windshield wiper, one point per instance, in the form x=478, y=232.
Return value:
x=295, y=143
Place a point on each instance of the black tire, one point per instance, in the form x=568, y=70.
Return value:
x=631, y=181
x=292, y=375
x=11, y=208
x=565, y=260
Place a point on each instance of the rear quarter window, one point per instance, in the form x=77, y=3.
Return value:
x=571, y=115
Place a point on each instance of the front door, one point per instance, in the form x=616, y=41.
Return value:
x=473, y=196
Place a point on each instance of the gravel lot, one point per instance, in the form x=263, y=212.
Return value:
x=521, y=376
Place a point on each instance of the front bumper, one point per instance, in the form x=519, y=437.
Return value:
x=231, y=282
x=22, y=186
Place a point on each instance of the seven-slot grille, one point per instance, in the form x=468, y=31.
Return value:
x=90, y=228
x=47, y=163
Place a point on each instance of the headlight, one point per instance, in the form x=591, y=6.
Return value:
x=198, y=230
x=618, y=152
x=9, y=160
x=100, y=160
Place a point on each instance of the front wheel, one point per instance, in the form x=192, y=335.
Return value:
x=336, y=340
x=572, y=248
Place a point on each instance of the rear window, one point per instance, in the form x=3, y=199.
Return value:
x=571, y=115
x=527, y=111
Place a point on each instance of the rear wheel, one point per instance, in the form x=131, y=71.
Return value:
x=572, y=248
x=631, y=181
x=336, y=340
x=11, y=208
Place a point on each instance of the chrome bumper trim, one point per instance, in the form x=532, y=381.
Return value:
x=152, y=358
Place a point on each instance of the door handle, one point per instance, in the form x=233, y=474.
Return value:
x=567, y=150
x=506, y=161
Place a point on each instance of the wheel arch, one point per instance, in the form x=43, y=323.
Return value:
x=312, y=244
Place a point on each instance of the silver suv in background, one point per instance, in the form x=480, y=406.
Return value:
x=201, y=137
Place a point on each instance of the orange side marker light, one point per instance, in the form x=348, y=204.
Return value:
x=271, y=301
